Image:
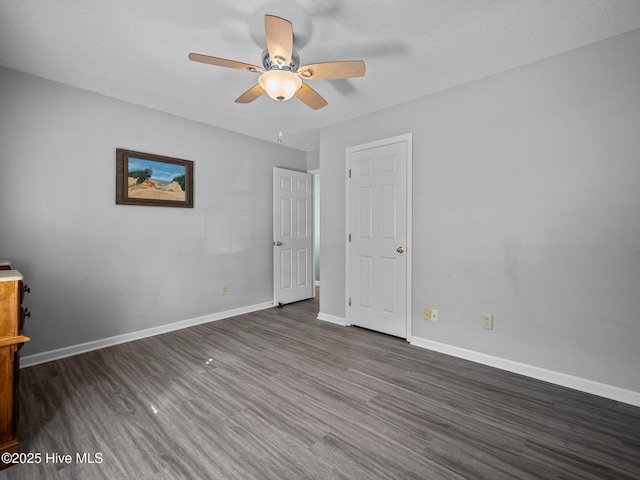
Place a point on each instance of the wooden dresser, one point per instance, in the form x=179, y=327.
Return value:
x=12, y=316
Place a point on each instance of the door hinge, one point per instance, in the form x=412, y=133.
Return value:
x=349, y=173
x=349, y=301
x=349, y=238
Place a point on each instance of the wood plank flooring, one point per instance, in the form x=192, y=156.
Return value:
x=277, y=394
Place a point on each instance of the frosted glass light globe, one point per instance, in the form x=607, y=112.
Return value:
x=280, y=85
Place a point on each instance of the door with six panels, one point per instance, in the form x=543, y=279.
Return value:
x=292, y=236
x=377, y=223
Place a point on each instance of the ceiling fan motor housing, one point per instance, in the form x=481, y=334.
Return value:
x=269, y=64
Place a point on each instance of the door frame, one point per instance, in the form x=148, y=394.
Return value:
x=408, y=139
x=315, y=172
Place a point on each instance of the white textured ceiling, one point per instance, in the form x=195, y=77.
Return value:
x=136, y=50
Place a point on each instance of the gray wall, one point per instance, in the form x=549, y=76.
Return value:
x=97, y=269
x=313, y=160
x=526, y=205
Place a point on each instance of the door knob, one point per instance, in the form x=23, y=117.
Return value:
x=400, y=249
x=279, y=243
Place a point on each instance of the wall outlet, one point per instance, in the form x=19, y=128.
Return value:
x=431, y=314
x=487, y=321
x=225, y=290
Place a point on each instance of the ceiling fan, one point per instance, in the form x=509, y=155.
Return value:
x=281, y=74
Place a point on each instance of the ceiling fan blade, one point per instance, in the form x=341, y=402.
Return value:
x=223, y=62
x=310, y=97
x=279, y=36
x=332, y=70
x=251, y=94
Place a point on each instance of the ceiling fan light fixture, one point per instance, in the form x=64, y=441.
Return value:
x=281, y=76
x=280, y=85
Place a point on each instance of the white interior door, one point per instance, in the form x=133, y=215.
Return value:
x=378, y=224
x=292, y=236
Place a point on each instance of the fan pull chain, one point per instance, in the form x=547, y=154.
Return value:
x=280, y=133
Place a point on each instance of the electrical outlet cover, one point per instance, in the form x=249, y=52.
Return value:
x=487, y=321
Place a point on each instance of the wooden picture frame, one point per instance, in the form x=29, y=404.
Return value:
x=153, y=180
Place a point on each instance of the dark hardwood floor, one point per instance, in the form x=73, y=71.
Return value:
x=277, y=394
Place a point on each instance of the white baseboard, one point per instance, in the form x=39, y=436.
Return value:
x=44, y=357
x=557, y=378
x=332, y=319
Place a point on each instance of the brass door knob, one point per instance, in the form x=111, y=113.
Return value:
x=279, y=243
x=400, y=249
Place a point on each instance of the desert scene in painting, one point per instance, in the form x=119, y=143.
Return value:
x=156, y=180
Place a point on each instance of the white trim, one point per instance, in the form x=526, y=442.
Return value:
x=332, y=319
x=44, y=357
x=408, y=139
x=316, y=283
x=409, y=251
x=551, y=376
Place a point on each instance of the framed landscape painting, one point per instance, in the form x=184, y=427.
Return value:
x=153, y=180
